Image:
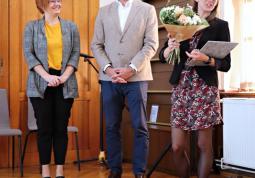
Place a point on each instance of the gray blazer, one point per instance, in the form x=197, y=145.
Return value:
x=137, y=44
x=35, y=51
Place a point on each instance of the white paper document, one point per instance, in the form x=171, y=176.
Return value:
x=154, y=113
x=215, y=49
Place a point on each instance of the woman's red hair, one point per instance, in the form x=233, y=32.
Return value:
x=41, y=5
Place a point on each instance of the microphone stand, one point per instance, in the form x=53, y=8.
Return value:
x=101, y=156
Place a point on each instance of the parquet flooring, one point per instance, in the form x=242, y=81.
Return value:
x=92, y=170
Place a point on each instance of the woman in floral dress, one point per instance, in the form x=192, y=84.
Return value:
x=195, y=96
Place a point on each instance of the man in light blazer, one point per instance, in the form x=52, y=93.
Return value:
x=125, y=40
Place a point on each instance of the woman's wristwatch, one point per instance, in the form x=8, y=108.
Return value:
x=209, y=60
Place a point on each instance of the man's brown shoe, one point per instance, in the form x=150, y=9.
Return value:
x=114, y=175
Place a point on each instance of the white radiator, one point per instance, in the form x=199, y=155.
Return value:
x=239, y=132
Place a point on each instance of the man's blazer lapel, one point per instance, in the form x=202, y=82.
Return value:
x=115, y=17
x=132, y=14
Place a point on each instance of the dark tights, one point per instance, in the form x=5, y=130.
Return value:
x=181, y=160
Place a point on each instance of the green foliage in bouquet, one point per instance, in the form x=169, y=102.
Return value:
x=174, y=56
x=188, y=12
x=167, y=16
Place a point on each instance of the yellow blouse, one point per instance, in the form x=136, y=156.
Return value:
x=54, y=45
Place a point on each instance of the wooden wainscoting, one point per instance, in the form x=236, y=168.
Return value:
x=14, y=14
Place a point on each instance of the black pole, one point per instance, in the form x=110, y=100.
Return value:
x=101, y=156
x=157, y=161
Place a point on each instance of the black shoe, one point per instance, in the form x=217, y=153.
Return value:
x=114, y=175
x=46, y=177
x=60, y=177
x=139, y=176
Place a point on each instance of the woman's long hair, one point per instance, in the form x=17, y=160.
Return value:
x=213, y=13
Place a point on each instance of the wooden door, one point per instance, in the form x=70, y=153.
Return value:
x=85, y=112
x=4, y=63
x=4, y=44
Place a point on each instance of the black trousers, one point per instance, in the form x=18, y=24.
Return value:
x=52, y=114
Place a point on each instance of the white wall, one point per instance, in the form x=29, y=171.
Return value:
x=105, y=2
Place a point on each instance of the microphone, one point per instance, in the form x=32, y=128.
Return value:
x=87, y=59
x=86, y=56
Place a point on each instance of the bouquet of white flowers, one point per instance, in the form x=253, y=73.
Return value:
x=182, y=23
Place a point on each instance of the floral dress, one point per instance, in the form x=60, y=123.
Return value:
x=195, y=105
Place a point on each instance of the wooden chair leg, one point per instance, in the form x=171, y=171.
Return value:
x=20, y=156
x=13, y=152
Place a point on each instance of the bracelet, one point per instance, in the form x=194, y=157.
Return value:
x=209, y=60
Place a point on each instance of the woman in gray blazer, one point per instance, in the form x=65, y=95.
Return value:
x=51, y=48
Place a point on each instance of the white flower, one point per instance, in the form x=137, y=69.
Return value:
x=189, y=20
x=183, y=19
x=178, y=11
x=164, y=9
x=196, y=20
x=171, y=8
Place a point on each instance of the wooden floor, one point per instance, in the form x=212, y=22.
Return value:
x=91, y=170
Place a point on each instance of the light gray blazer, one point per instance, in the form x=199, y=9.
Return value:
x=137, y=44
x=35, y=51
